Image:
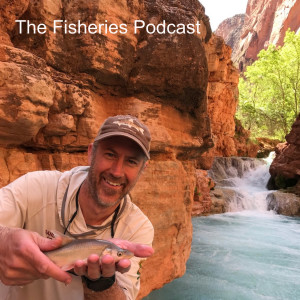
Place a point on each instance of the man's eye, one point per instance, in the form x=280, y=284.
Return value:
x=132, y=162
x=110, y=155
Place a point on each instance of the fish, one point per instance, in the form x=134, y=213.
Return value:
x=72, y=250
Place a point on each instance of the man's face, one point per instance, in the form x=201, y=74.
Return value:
x=115, y=166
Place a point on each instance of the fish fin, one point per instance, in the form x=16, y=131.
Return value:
x=52, y=234
x=67, y=267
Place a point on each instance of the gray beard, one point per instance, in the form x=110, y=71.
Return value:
x=92, y=190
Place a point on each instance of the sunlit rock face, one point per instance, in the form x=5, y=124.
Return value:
x=265, y=23
x=222, y=97
x=230, y=30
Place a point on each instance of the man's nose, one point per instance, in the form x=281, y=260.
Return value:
x=117, y=168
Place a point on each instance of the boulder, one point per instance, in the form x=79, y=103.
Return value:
x=287, y=204
x=202, y=201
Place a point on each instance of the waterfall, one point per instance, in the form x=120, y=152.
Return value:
x=249, y=254
x=242, y=182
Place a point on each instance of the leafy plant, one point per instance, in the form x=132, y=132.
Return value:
x=269, y=93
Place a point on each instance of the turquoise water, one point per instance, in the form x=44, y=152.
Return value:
x=242, y=256
x=247, y=254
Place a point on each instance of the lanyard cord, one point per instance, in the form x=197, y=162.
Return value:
x=112, y=230
x=113, y=221
x=75, y=213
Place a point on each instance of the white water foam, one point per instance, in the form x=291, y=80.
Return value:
x=250, y=190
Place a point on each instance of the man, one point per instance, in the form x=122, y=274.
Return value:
x=85, y=202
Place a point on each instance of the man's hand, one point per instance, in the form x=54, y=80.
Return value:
x=106, y=266
x=22, y=260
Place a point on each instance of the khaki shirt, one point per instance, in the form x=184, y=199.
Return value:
x=46, y=200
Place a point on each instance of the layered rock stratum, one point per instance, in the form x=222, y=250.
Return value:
x=228, y=136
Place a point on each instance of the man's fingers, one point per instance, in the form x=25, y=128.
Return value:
x=139, y=250
x=47, y=268
x=46, y=244
x=80, y=268
x=123, y=265
x=50, y=269
x=22, y=260
x=93, y=268
x=108, y=266
x=143, y=250
x=43, y=264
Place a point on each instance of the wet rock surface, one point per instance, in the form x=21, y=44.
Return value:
x=287, y=204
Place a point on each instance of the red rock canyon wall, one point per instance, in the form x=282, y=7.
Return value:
x=265, y=23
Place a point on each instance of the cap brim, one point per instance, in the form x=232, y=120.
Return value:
x=109, y=134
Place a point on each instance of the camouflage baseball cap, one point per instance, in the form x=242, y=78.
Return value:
x=128, y=126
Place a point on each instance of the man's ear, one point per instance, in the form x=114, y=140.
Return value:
x=90, y=152
x=145, y=165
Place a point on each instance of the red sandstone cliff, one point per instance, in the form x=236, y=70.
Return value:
x=222, y=99
x=266, y=22
x=230, y=30
x=285, y=168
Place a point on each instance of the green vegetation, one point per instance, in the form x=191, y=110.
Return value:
x=269, y=100
x=196, y=192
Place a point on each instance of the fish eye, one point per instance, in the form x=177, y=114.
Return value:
x=119, y=253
